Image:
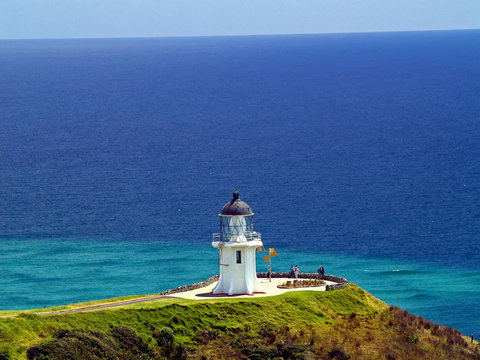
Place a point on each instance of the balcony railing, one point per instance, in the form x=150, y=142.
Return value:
x=249, y=235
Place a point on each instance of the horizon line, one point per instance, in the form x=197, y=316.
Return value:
x=235, y=35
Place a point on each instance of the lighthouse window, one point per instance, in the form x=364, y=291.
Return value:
x=239, y=257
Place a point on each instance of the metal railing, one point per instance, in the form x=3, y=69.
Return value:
x=249, y=235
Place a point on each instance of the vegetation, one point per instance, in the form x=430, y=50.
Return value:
x=120, y=342
x=289, y=284
x=348, y=323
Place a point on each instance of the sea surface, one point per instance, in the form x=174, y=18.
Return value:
x=360, y=152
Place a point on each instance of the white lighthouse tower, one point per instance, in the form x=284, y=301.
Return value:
x=237, y=244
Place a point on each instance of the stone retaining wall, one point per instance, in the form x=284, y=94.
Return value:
x=195, y=286
x=335, y=286
x=336, y=279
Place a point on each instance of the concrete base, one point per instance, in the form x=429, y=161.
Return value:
x=271, y=289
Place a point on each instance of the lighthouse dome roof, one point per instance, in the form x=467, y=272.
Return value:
x=236, y=206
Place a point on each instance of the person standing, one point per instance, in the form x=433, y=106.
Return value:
x=321, y=271
x=296, y=271
x=292, y=271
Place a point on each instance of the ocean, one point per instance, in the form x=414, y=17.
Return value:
x=360, y=152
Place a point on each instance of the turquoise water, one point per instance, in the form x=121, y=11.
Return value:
x=46, y=272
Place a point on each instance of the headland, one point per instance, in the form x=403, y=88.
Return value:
x=345, y=322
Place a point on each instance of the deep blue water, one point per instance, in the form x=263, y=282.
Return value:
x=357, y=151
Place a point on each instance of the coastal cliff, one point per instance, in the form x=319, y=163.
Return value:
x=347, y=323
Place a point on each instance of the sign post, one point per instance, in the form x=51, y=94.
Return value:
x=268, y=258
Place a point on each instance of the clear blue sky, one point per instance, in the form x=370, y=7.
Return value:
x=139, y=18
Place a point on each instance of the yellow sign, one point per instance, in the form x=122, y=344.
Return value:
x=272, y=252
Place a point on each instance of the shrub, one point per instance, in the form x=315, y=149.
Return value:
x=178, y=353
x=165, y=340
x=338, y=355
x=203, y=337
x=36, y=352
x=413, y=338
x=128, y=340
x=4, y=355
x=78, y=344
x=260, y=352
x=292, y=351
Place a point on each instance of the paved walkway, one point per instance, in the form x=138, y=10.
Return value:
x=106, y=306
x=270, y=288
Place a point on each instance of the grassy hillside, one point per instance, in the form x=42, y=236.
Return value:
x=341, y=324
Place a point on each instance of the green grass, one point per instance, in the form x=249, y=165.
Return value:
x=349, y=320
x=73, y=306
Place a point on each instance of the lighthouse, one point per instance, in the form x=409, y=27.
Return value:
x=237, y=244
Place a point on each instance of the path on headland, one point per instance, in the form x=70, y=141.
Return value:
x=100, y=307
x=110, y=305
x=203, y=293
